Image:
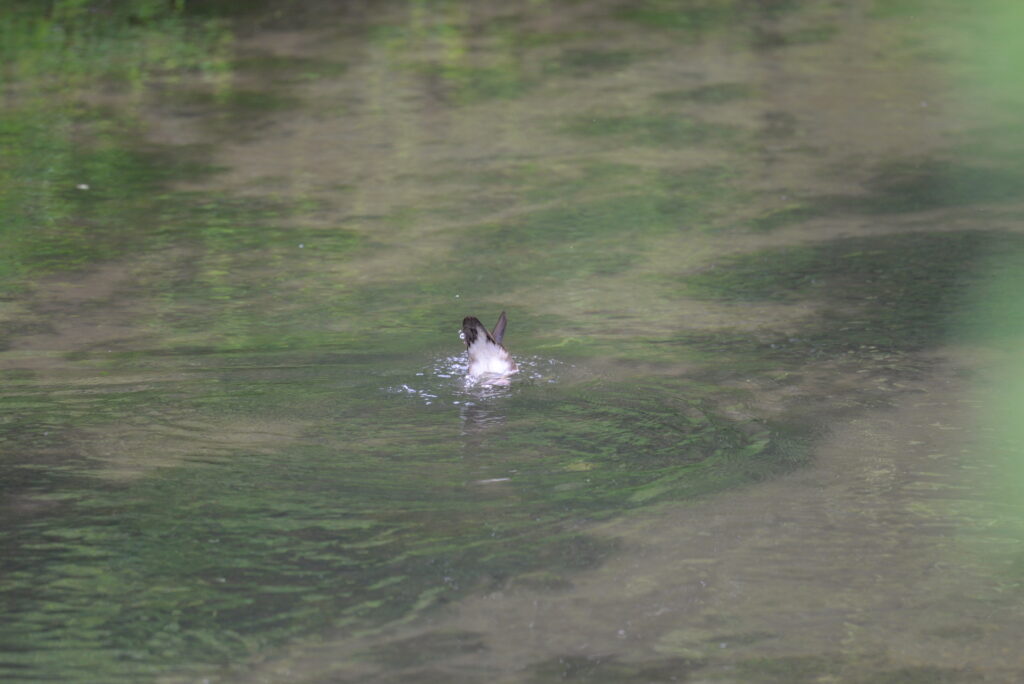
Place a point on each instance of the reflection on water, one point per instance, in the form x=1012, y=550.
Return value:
x=235, y=443
x=296, y=498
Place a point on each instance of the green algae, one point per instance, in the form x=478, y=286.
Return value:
x=797, y=668
x=569, y=668
x=924, y=184
x=683, y=16
x=904, y=186
x=655, y=130
x=288, y=68
x=792, y=214
x=582, y=62
x=696, y=19
x=898, y=291
x=68, y=43
x=465, y=84
x=714, y=93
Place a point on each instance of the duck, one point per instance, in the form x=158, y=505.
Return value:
x=488, y=359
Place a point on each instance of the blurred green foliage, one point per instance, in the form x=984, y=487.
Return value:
x=73, y=176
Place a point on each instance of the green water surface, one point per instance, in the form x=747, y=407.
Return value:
x=232, y=415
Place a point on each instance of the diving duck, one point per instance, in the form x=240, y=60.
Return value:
x=486, y=355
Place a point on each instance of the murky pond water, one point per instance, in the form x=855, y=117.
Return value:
x=760, y=262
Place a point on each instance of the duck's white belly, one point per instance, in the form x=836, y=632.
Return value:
x=486, y=358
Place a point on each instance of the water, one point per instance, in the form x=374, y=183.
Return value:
x=735, y=243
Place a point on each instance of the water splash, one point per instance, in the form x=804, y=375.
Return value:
x=445, y=380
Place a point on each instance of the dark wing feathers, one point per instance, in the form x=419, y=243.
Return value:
x=499, y=328
x=472, y=327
